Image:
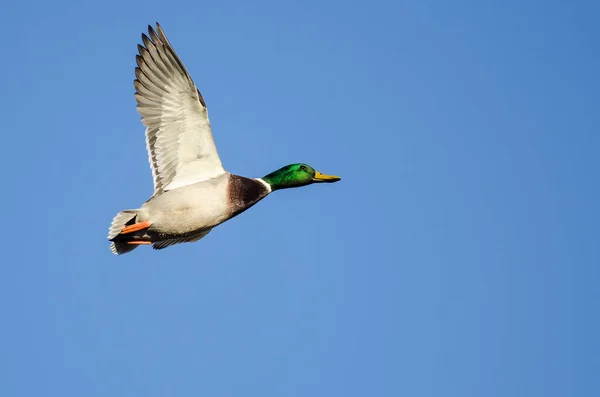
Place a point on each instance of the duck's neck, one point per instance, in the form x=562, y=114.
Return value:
x=266, y=184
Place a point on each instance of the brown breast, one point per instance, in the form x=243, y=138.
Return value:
x=243, y=193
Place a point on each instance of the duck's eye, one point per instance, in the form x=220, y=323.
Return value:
x=303, y=168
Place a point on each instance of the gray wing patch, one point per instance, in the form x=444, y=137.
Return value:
x=187, y=239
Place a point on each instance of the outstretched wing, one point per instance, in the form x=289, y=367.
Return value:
x=179, y=140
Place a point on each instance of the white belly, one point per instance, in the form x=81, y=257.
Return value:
x=188, y=208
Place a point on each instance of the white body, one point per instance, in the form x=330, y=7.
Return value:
x=183, y=210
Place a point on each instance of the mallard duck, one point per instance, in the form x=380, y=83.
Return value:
x=192, y=191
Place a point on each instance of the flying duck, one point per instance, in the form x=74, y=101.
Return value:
x=192, y=191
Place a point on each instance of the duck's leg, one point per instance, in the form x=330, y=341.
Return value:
x=136, y=227
x=139, y=242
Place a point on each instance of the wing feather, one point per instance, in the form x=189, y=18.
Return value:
x=179, y=140
x=186, y=239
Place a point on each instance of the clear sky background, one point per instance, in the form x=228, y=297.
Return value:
x=458, y=256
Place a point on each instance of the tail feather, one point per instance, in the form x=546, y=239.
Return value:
x=121, y=247
x=122, y=219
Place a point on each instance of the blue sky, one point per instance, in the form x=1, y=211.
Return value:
x=457, y=257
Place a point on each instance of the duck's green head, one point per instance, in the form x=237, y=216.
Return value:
x=296, y=175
